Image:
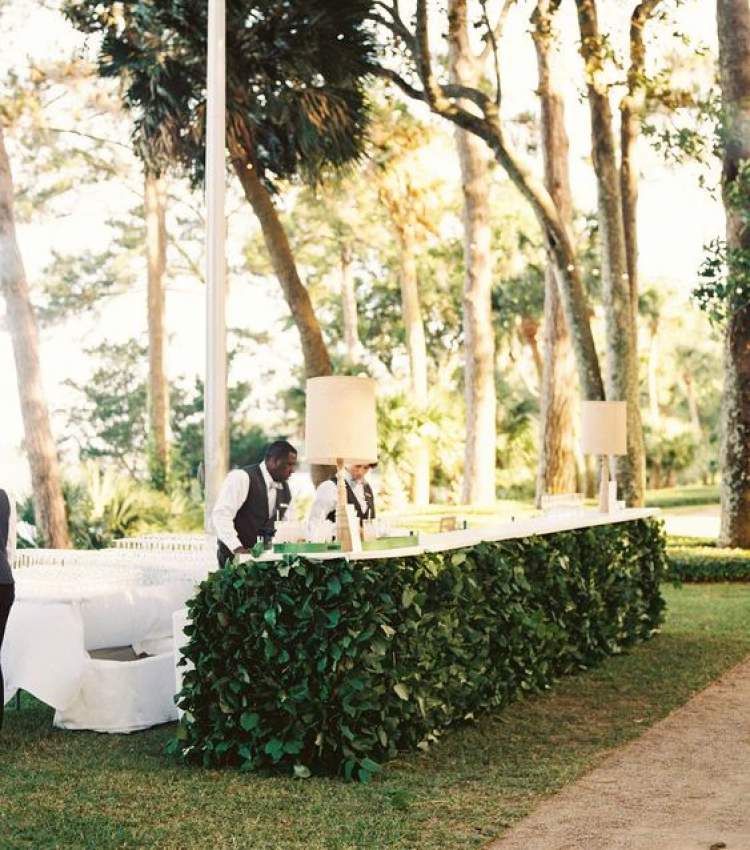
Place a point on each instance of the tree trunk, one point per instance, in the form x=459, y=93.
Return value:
x=622, y=357
x=695, y=420
x=349, y=307
x=557, y=464
x=529, y=332
x=478, y=484
x=557, y=471
x=561, y=252
x=156, y=260
x=417, y=349
x=49, y=505
x=315, y=353
x=559, y=241
x=653, y=386
x=631, y=112
x=733, y=19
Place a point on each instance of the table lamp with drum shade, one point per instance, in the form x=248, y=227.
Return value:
x=604, y=433
x=340, y=428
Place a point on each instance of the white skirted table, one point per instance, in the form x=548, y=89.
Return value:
x=70, y=623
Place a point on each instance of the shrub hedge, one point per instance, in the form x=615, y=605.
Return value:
x=333, y=666
x=700, y=563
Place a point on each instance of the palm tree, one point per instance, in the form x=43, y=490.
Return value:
x=296, y=104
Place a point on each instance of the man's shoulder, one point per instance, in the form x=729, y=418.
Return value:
x=238, y=477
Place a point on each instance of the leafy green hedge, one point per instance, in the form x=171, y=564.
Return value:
x=333, y=666
x=708, y=563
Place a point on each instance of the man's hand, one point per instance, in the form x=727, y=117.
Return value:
x=241, y=550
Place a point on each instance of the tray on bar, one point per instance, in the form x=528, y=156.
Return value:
x=391, y=542
x=305, y=548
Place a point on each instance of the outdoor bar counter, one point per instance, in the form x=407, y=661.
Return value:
x=320, y=663
x=526, y=526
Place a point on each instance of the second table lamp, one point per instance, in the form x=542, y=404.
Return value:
x=341, y=427
x=604, y=433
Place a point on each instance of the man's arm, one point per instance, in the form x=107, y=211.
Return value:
x=231, y=497
x=325, y=501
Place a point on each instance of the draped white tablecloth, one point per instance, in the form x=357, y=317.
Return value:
x=61, y=613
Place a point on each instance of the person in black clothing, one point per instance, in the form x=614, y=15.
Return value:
x=7, y=587
x=253, y=499
x=358, y=493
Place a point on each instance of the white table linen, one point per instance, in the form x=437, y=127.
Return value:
x=62, y=613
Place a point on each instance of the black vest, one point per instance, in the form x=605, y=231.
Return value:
x=6, y=577
x=353, y=500
x=251, y=520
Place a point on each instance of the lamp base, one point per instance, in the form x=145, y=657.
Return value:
x=343, y=533
x=607, y=487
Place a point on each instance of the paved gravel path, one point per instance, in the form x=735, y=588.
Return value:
x=684, y=785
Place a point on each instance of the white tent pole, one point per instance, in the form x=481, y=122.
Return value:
x=215, y=441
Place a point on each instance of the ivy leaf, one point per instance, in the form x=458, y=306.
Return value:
x=407, y=597
x=402, y=690
x=275, y=749
x=270, y=616
x=249, y=720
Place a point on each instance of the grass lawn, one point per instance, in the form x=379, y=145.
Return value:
x=427, y=518
x=83, y=790
x=677, y=497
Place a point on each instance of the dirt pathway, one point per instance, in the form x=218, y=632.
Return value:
x=684, y=785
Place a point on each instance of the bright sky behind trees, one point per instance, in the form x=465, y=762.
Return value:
x=676, y=218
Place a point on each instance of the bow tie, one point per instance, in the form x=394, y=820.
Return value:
x=275, y=485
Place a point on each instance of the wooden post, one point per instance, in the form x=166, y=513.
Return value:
x=603, y=485
x=215, y=441
x=343, y=534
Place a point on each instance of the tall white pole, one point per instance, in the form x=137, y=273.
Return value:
x=215, y=440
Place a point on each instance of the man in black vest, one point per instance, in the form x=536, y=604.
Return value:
x=252, y=499
x=358, y=493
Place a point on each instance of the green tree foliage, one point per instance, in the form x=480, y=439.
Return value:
x=111, y=422
x=54, y=155
x=296, y=100
x=724, y=287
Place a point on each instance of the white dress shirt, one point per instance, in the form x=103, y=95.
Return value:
x=326, y=497
x=234, y=491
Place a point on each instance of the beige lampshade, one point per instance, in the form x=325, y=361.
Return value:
x=340, y=420
x=604, y=427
